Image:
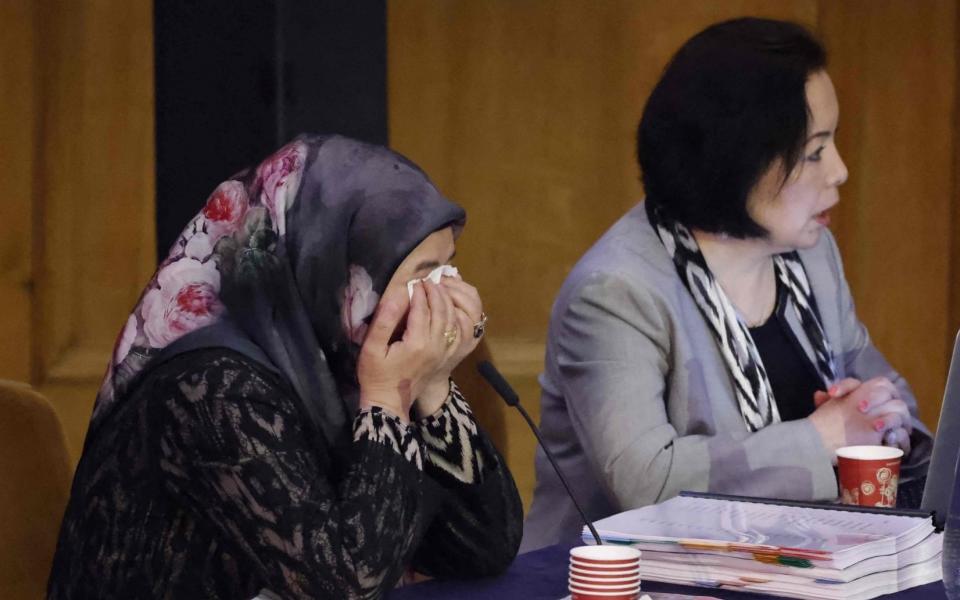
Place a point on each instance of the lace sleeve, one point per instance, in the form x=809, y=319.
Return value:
x=476, y=531
x=380, y=427
x=452, y=440
x=235, y=450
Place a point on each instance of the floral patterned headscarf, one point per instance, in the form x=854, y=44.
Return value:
x=285, y=263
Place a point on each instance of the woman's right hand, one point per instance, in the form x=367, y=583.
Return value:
x=392, y=375
x=856, y=413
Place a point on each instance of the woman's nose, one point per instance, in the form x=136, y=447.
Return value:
x=838, y=171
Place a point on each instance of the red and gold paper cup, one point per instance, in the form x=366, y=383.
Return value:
x=869, y=475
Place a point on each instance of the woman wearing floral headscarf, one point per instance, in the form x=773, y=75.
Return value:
x=278, y=412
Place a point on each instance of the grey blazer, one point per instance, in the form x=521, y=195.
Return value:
x=638, y=404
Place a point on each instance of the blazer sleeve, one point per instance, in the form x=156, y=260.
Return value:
x=862, y=360
x=614, y=356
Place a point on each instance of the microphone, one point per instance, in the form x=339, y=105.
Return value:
x=503, y=389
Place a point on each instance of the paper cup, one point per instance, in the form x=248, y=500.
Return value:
x=626, y=589
x=597, y=568
x=577, y=594
x=605, y=556
x=592, y=587
x=587, y=590
x=869, y=475
x=590, y=581
x=604, y=575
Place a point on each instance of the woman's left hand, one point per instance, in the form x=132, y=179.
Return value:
x=465, y=302
x=897, y=437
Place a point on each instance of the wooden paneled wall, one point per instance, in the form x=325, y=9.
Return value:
x=77, y=227
x=895, y=68
x=18, y=131
x=525, y=113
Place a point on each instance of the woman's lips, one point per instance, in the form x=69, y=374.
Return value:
x=823, y=218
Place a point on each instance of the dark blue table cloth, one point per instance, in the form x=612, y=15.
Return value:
x=542, y=575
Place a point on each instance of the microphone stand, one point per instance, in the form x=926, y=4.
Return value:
x=506, y=392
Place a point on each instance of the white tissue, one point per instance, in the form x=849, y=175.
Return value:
x=434, y=276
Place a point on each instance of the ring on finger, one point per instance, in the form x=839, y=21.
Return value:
x=890, y=438
x=480, y=327
x=450, y=335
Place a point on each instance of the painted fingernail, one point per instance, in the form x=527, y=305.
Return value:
x=863, y=405
x=878, y=424
x=832, y=390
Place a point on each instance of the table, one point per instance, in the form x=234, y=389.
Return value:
x=542, y=575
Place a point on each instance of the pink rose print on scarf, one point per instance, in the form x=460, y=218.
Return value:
x=223, y=214
x=198, y=246
x=125, y=342
x=186, y=300
x=358, y=302
x=279, y=177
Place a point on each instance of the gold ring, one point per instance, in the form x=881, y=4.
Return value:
x=451, y=336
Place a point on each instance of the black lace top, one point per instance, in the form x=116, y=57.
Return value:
x=207, y=484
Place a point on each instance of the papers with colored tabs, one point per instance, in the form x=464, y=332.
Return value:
x=792, y=551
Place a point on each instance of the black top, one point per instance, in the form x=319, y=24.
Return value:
x=207, y=483
x=793, y=377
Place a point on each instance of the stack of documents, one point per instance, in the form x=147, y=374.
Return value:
x=784, y=550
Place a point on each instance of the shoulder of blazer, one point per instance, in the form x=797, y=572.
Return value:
x=630, y=250
x=628, y=260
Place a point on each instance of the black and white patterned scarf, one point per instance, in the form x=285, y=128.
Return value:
x=740, y=354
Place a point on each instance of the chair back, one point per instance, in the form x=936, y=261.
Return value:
x=35, y=473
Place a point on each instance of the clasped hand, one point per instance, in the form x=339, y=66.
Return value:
x=852, y=413
x=396, y=372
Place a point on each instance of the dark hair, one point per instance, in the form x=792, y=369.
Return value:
x=729, y=103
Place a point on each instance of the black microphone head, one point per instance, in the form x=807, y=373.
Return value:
x=498, y=383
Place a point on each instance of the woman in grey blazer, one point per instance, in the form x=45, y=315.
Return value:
x=708, y=340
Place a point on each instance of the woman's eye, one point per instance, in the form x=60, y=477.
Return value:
x=816, y=155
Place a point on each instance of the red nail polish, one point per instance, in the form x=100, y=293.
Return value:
x=863, y=405
x=832, y=390
x=878, y=424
